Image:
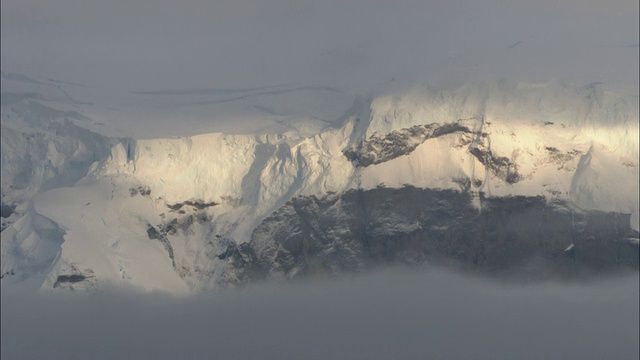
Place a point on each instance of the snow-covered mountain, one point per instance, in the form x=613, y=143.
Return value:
x=493, y=176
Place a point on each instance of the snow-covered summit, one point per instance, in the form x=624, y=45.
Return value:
x=170, y=213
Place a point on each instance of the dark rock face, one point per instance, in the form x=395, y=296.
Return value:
x=6, y=210
x=69, y=279
x=142, y=190
x=195, y=204
x=500, y=166
x=161, y=235
x=380, y=148
x=327, y=236
x=165, y=231
x=559, y=157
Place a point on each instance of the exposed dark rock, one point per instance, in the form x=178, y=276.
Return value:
x=69, y=279
x=10, y=272
x=152, y=232
x=464, y=183
x=142, y=190
x=380, y=148
x=175, y=207
x=560, y=157
x=161, y=235
x=500, y=166
x=327, y=236
x=6, y=210
x=172, y=227
x=196, y=204
x=200, y=205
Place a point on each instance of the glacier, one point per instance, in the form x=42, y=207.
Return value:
x=88, y=205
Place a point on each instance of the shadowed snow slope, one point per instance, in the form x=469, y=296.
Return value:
x=192, y=212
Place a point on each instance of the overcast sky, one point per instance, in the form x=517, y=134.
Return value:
x=245, y=43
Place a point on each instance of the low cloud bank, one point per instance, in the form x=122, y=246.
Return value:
x=395, y=314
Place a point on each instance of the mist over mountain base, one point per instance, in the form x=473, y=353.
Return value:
x=398, y=313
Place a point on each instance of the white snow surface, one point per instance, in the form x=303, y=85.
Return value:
x=574, y=143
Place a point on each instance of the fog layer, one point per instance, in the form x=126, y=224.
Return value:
x=399, y=314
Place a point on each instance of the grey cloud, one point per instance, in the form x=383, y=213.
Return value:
x=397, y=314
x=200, y=44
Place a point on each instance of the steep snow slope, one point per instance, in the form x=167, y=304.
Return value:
x=39, y=158
x=52, y=131
x=168, y=213
x=579, y=144
x=31, y=246
x=46, y=142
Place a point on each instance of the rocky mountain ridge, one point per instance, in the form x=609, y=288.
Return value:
x=490, y=176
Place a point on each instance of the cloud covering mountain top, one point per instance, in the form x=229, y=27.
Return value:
x=197, y=44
